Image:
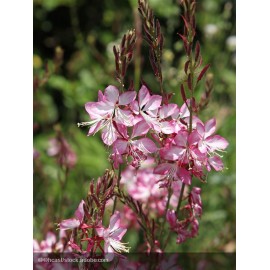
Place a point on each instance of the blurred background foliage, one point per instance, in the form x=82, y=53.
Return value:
x=73, y=59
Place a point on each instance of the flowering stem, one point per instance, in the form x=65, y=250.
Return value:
x=118, y=185
x=180, y=199
x=176, y=213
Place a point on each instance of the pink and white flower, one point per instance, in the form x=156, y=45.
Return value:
x=76, y=222
x=106, y=111
x=112, y=236
x=138, y=149
x=147, y=107
x=209, y=142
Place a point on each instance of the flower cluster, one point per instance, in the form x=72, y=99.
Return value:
x=88, y=235
x=126, y=122
x=111, y=235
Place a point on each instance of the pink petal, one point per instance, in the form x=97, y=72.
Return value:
x=111, y=93
x=194, y=138
x=152, y=122
x=163, y=168
x=124, y=117
x=69, y=224
x=50, y=239
x=145, y=145
x=153, y=103
x=216, y=163
x=74, y=246
x=184, y=176
x=167, y=127
x=143, y=96
x=109, y=252
x=210, y=127
x=127, y=97
x=184, y=111
x=100, y=231
x=99, y=109
x=202, y=147
x=118, y=233
x=168, y=110
x=100, y=96
x=109, y=134
x=95, y=127
x=200, y=129
x=173, y=153
x=120, y=146
x=181, y=138
x=79, y=213
x=140, y=129
x=36, y=246
x=216, y=142
x=134, y=106
x=115, y=221
x=122, y=129
x=195, y=121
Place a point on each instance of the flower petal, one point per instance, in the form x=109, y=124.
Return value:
x=99, y=109
x=134, y=106
x=140, y=129
x=153, y=103
x=50, y=239
x=79, y=213
x=95, y=127
x=194, y=138
x=115, y=221
x=210, y=127
x=118, y=233
x=163, y=168
x=168, y=110
x=184, y=111
x=184, y=175
x=100, y=96
x=109, y=134
x=173, y=153
x=120, y=146
x=69, y=224
x=124, y=117
x=200, y=130
x=181, y=138
x=145, y=145
x=167, y=127
x=216, y=142
x=143, y=96
x=216, y=163
x=111, y=94
x=127, y=97
x=100, y=231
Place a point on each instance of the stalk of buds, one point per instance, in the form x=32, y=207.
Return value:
x=154, y=38
x=123, y=56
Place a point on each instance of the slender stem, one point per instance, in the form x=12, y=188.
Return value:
x=166, y=209
x=176, y=213
x=118, y=185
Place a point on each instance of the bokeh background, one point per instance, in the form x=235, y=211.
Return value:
x=73, y=59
